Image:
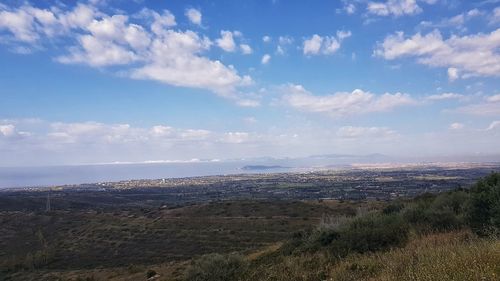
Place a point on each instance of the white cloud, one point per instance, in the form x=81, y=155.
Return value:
x=80, y=17
x=100, y=133
x=265, y=59
x=95, y=52
x=250, y=120
x=248, y=102
x=394, y=7
x=285, y=40
x=162, y=22
x=494, y=98
x=456, y=126
x=150, y=50
x=29, y=24
x=370, y=133
x=466, y=56
x=457, y=21
x=342, y=34
x=266, y=39
x=444, y=96
x=174, y=59
x=494, y=125
x=489, y=107
x=191, y=134
x=326, y=45
x=8, y=130
x=235, y=137
x=226, y=42
x=495, y=16
x=343, y=103
x=280, y=50
x=453, y=74
x=313, y=45
x=350, y=8
x=246, y=49
x=93, y=142
x=161, y=131
x=194, y=16
x=283, y=43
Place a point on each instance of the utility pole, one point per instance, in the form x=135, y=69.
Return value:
x=47, y=206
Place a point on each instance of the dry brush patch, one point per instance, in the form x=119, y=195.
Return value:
x=445, y=256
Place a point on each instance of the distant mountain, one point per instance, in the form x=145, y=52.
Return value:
x=263, y=167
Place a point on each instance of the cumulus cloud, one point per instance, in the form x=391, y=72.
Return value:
x=495, y=16
x=101, y=133
x=444, y=96
x=194, y=16
x=7, y=130
x=343, y=103
x=95, y=142
x=246, y=49
x=453, y=74
x=349, y=8
x=456, y=126
x=326, y=45
x=283, y=43
x=161, y=22
x=28, y=24
x=494, y=98
x=494, y=125
x=59, y=143
x=371, y=133
x=395, y=8
x=144, y=45
x=235, y=137
x=489, y=106
x=10, y=131
x=464, y=56
x=457, y=21
x=226, y=42
x=175, y=59
x=265, y=59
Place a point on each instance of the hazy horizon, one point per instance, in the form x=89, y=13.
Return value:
x=95, y=81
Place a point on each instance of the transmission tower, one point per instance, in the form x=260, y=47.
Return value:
x=47, y=206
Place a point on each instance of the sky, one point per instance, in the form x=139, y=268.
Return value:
x=106, y=81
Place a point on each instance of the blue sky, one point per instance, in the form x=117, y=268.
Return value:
x=132, y=81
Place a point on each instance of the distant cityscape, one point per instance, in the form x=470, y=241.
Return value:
x=362, y=182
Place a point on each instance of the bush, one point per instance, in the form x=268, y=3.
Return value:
x=484, y=209
x=150, y=273
x=393, y=208
x=372, y=233
x=216, y=267
x=429, y=219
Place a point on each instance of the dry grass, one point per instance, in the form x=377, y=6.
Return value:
x=436, y=257
x=304, y=267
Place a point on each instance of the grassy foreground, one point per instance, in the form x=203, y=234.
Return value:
x=445, y=256
x=450, y=236
x=457, y=256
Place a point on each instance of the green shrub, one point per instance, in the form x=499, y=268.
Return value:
x=372, y=233
x=216, y=267
x=150, y=273
x=431, y=220
x=484, y=209
x=393, y=208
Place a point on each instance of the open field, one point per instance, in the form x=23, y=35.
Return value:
x=90, y=239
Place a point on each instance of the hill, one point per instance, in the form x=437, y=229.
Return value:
x=447, y=236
